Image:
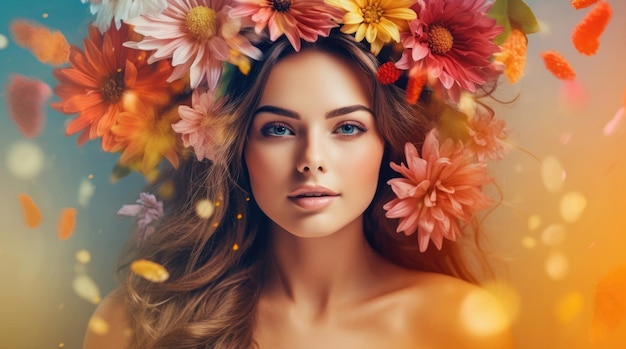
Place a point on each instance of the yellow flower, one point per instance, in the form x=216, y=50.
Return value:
x=147, y=137
x=378, y=21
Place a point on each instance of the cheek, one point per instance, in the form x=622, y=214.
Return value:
x=265, y=166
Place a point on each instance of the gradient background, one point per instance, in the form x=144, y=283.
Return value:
x=39, y=307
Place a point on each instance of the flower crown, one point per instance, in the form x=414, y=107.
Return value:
x=146, y=83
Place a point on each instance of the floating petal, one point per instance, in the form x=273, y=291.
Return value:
x=66, y=224
x=558, y=65
x=609, y=308
x=578, y=4
x=149, y=270
x=26, y=101
x=32, y=214
x=586, y=34
x=50, y=47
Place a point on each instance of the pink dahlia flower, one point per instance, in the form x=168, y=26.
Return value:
x=487, y=137
x=452, y=41
x=438, y=190
x=297, y=19
x=197, y=35
x=196, y=124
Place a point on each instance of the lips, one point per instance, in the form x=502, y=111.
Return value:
x=313, y=197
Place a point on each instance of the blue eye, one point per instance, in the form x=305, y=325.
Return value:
x=276, y=130
x=350, y=128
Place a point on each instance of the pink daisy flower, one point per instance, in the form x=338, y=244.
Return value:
x=452, y=41
x=487, y=137
x=196, y=124
x=437, y=191
x=197, y=35
x=297, y=19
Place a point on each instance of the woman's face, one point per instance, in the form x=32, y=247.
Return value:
x=313, y=152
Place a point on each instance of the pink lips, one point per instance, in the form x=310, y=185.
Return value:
x=313, y=197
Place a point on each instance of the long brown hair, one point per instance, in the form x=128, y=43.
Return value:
x=216, y=265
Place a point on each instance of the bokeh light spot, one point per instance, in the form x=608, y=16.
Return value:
x=553, y=174
x=482, y=314
x=98, y=325
x=4, y=42
x=529, y=242
x=25, y=160
x=204, y=209
x=568, y=307
x=572, y=206
x=534, y=222
x=86, y=288
x=86, y=190
x=553, y=235
x=557, y=266
x=83, y=256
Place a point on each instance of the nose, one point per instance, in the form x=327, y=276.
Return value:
x=312, y=155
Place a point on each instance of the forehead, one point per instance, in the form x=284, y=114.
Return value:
x=314, y=80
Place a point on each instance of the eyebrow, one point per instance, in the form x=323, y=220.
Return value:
x=331, y=114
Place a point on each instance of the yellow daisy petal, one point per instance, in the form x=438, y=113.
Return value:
x=360, y=32
x=352, y=18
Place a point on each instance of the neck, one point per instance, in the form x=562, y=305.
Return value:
x=322, y=273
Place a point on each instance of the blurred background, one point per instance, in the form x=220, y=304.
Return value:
x=559, y=231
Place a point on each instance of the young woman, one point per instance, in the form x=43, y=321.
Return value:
x=301, y=177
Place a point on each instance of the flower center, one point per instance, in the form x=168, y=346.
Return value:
x=113, y=87
x=281, y=5
x=201, y=22
x=440, y=39
x=372, y=13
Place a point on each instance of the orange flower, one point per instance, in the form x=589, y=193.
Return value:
x=101, y=79
x=586, y=35
x=578, y=4
x=513, y=55
x=147, y=137
x=558, y=65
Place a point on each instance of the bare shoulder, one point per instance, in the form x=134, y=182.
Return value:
x=109, y=325
x=450, y=313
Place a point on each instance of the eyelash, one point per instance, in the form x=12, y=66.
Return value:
x=265, y=130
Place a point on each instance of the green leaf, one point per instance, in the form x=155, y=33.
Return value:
x=523, y=17
x=513, y=14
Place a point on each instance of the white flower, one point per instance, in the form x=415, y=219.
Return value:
x=121, y=10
